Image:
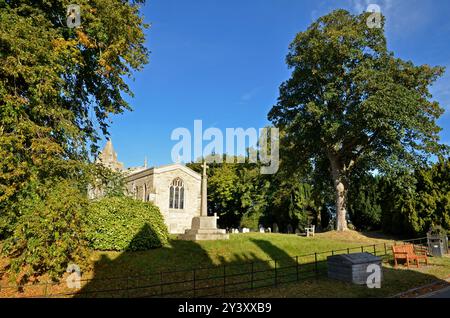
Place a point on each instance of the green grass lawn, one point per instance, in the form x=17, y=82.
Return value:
x=180, y=255
x=239, y=256
x=395, y=281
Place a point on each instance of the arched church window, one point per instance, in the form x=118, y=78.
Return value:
x=176, y=194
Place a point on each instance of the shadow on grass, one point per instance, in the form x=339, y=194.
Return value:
x=395, y=281
x=194, y=274
x=144, y=274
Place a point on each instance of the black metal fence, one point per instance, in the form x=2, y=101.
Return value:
x=214, y=281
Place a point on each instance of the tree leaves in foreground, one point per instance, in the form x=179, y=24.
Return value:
x=57, y=87
x=350, y=104
x=49, y=231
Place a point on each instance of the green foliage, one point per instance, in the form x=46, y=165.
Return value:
x=50, y=235
x=294, y=199
x=243, y=197
x=106, y=182
x=433, y=197
x=397, y=192
x=56, y=86
x=364, y=203
x=350, y=104
x=223, y=195
x=407, y=203
x=437, y=230
x=302, y=206
x=235, y=190
x=251, y=220
x=125, y=224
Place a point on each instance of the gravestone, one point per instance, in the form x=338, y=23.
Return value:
x=289, y=229
x=275, y=228
x=269, y=230
x=261, y=229
x=297, y=231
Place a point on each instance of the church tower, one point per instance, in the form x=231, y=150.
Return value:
x=108, y=157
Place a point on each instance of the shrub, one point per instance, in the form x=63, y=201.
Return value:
x=251, y=220
x=364, y=207
x=124, y=224
x=48, y=232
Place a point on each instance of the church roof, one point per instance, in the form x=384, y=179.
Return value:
x=108, y=157
x=163, y=169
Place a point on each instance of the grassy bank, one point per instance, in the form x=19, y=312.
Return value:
x=237, y=257
x=180, y=255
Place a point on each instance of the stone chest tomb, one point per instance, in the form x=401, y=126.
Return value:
x=352, y=268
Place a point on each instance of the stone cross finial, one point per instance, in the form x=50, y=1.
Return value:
x=204, y=166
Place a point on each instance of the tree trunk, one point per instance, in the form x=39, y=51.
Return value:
x=341, y=196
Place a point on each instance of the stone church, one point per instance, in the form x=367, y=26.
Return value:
x=174, y=188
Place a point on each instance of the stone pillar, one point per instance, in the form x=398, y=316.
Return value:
x=204, y=227
x=204, y=192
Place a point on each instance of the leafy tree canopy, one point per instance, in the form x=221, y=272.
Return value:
x=58, y=88
x=350, y=104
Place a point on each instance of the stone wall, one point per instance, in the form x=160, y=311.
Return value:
x=154, y=185
x=141, y=185
x=177, y=220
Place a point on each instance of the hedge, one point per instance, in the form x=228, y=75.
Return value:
x=125, y=224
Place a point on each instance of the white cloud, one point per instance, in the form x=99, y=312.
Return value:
x=403, y=17
x=359, y=6
x=246, y=97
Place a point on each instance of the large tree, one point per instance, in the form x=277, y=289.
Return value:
x=59, y=87
x=351, y=105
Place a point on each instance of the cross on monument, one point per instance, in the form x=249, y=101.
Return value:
x=204, y=198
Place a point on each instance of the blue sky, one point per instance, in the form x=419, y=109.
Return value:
x=222, y=61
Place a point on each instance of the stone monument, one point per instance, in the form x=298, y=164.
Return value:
x=204, y=227
x=275, y=228
x=290, y=229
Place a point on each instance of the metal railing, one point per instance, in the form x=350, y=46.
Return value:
x=212, y=281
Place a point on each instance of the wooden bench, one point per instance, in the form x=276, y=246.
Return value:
x=409, y=253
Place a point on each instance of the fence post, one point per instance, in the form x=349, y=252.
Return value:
x=385, y=249
x=332, y=252
x=161, y=282
x=276, y=274
x=128, y=283
x=374, y=250
x=252, y=277
x=194, y=282
x=296, y=261
x=348, y=250
x=362, y=249
x=315, y=263
x=224, y=278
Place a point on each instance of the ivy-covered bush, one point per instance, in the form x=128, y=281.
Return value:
x=49, y=231
x=124, y=224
